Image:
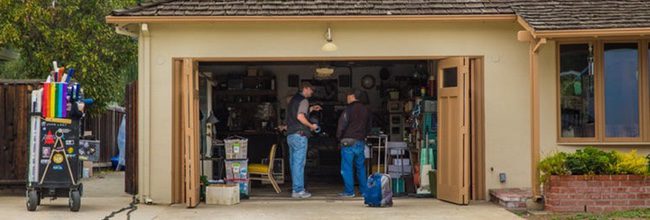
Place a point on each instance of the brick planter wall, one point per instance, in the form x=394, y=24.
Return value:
x=601, y=193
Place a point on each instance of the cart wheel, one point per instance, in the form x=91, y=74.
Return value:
x=81, y=189
x=74, y=200
x=32, y=200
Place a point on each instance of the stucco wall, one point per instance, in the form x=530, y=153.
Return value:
x=507, y=102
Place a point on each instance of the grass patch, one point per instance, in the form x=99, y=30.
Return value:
x=626, y=215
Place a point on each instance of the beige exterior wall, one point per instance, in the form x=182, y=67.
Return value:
x=548, y=113
x=507, y=93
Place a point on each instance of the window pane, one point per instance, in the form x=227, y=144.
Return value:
x=450, y=77
x=576, y=91
x=621, y=63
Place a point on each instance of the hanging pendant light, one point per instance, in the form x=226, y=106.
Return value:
x=329, y=46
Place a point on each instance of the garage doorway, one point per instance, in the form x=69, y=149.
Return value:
x=461, y=178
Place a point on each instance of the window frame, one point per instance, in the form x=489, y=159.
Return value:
x=600, y=137
x=559, y=98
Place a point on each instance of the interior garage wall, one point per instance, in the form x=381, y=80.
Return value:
x=306, y=71
x=507, y=110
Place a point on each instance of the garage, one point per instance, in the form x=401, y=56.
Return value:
x=227, y=69
x=426, y=106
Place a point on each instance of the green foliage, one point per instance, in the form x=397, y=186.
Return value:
x=647, y=157
x=74, y=33
x=553, y=165
x=590, y=161
x=630, y=163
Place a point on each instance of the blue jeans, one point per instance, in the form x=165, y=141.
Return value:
x=354, y=155
x=298, y=156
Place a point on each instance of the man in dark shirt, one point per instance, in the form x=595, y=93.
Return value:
x=299, y=130
x=354, y=125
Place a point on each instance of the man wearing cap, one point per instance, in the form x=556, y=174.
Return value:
x=353, y=127
x=299, y=129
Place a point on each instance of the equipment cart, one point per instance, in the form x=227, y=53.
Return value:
x=54, y=165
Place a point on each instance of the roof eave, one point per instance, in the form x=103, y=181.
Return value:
x=193, y=19
x=608, y=32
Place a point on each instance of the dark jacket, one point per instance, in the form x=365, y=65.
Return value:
x=293, y=125
x=355, y=122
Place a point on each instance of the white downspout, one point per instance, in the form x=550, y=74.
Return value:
x=144, y=131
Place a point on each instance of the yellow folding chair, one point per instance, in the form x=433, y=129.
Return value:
x=265, y=171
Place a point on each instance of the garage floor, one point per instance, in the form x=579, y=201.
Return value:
x=104, y=195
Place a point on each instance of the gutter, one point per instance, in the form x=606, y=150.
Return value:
x=122, y=30
x=193, y=19
x=576, y=33
x=594, y=33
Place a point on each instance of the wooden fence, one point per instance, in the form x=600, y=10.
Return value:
x=131, y=157
x=104, y=127
x=15, y=98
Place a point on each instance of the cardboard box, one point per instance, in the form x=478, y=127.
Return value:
x=401, y=162
x=399, y=168
x=252, y=71
x=236, y=169
x=244, y=187
x=379, y=168
x=397, y=145
x=87, y=170
x=395, y=106
x=430, y=106
x=222, y=194
x=397, y=152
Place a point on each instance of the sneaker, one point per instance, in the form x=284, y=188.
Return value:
x=301, y=195
x=345, y=195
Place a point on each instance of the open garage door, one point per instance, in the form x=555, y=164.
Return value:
x=453, y=130
x=185, y=148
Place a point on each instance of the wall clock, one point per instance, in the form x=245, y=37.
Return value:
x=368, y=82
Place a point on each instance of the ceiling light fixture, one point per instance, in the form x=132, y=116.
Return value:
x=329, y=46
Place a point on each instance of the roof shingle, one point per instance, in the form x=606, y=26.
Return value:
x=317, y=8
x=540, y=15
x=576, y=14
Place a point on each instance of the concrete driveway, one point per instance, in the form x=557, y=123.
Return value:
x=104, y=195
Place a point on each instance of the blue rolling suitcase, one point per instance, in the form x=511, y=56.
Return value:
x=380, y=191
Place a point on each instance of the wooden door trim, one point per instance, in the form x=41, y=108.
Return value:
x=177, y=152
x=477, y=133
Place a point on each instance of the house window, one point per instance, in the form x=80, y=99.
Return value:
x=601, y=92
x=577, y=91
x=621, y=80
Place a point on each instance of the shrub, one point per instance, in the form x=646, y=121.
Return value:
x=590, y=161
x=630, y=163
x=553, y=165
x=647, y=157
